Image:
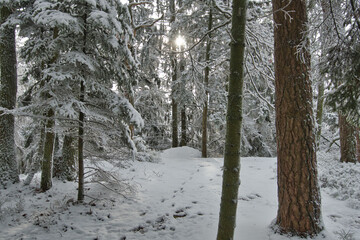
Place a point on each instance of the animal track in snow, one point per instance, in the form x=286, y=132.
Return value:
x=250, y=197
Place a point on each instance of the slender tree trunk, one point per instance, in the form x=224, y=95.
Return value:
x=175, y=138
x=319, y=111
x=347, y=141
x=81, y=127
x=324, y=36
x=47, y=162
x=358, y=144
x=183, y=141
x=298, y=191
x=174, y=105
x=8, y=89
x=231, y=170
x=49, y=144
x=81, y=147
x=206, y=85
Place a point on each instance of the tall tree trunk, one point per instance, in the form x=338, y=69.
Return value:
x=231, y=170
x=347, y=140
x=81, y=126
x=49, y=144
x=358, y=144
x=183, y=141
x=81, y=147
x=324, y=36
x=8, y=89
x=174, y=105
x=298, y=191
x=206, y=85
x=47, y=162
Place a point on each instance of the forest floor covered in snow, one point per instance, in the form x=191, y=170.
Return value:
x=177, y=197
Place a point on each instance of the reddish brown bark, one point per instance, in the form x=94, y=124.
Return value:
x=298, y=192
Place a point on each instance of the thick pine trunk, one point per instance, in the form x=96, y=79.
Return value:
x=8, y=89
x=231, y=170
x=347, y=141
x=298, y=191
x=206, y=84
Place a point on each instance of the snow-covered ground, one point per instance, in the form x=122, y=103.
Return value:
x=176, y=198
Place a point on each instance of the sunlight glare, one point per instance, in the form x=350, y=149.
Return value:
x=180, y=41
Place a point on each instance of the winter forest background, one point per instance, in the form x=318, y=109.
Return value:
x=94, y=93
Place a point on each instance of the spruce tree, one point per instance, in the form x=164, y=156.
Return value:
x=8, y=89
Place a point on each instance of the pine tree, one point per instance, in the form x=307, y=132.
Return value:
x=8, y=89
x=231, y=170
x=204, y=135
x=299, y=210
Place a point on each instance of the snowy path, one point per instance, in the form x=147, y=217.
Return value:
x=177, y=198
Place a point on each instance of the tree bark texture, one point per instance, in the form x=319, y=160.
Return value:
x=319, y=111
x=8, y=89
x=81, y=147
x=206, y=84
x=347, y=141
x=358, y=144
x=231, y=169
x=47, y=162
x=81, y=127
x=49, y=144
x=64, y=163
x=183, y=141
x=174, y=105
x=298, y=191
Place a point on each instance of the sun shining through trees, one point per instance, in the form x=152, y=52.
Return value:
x=180, y=41
x=114, y=99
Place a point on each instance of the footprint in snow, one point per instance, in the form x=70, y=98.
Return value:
x=250, y=197
x=181, y=212
x=334, y=217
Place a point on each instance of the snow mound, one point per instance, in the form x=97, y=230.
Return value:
x=341, y=181
x=181, y=152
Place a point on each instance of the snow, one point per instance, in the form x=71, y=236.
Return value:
x=175, y=198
